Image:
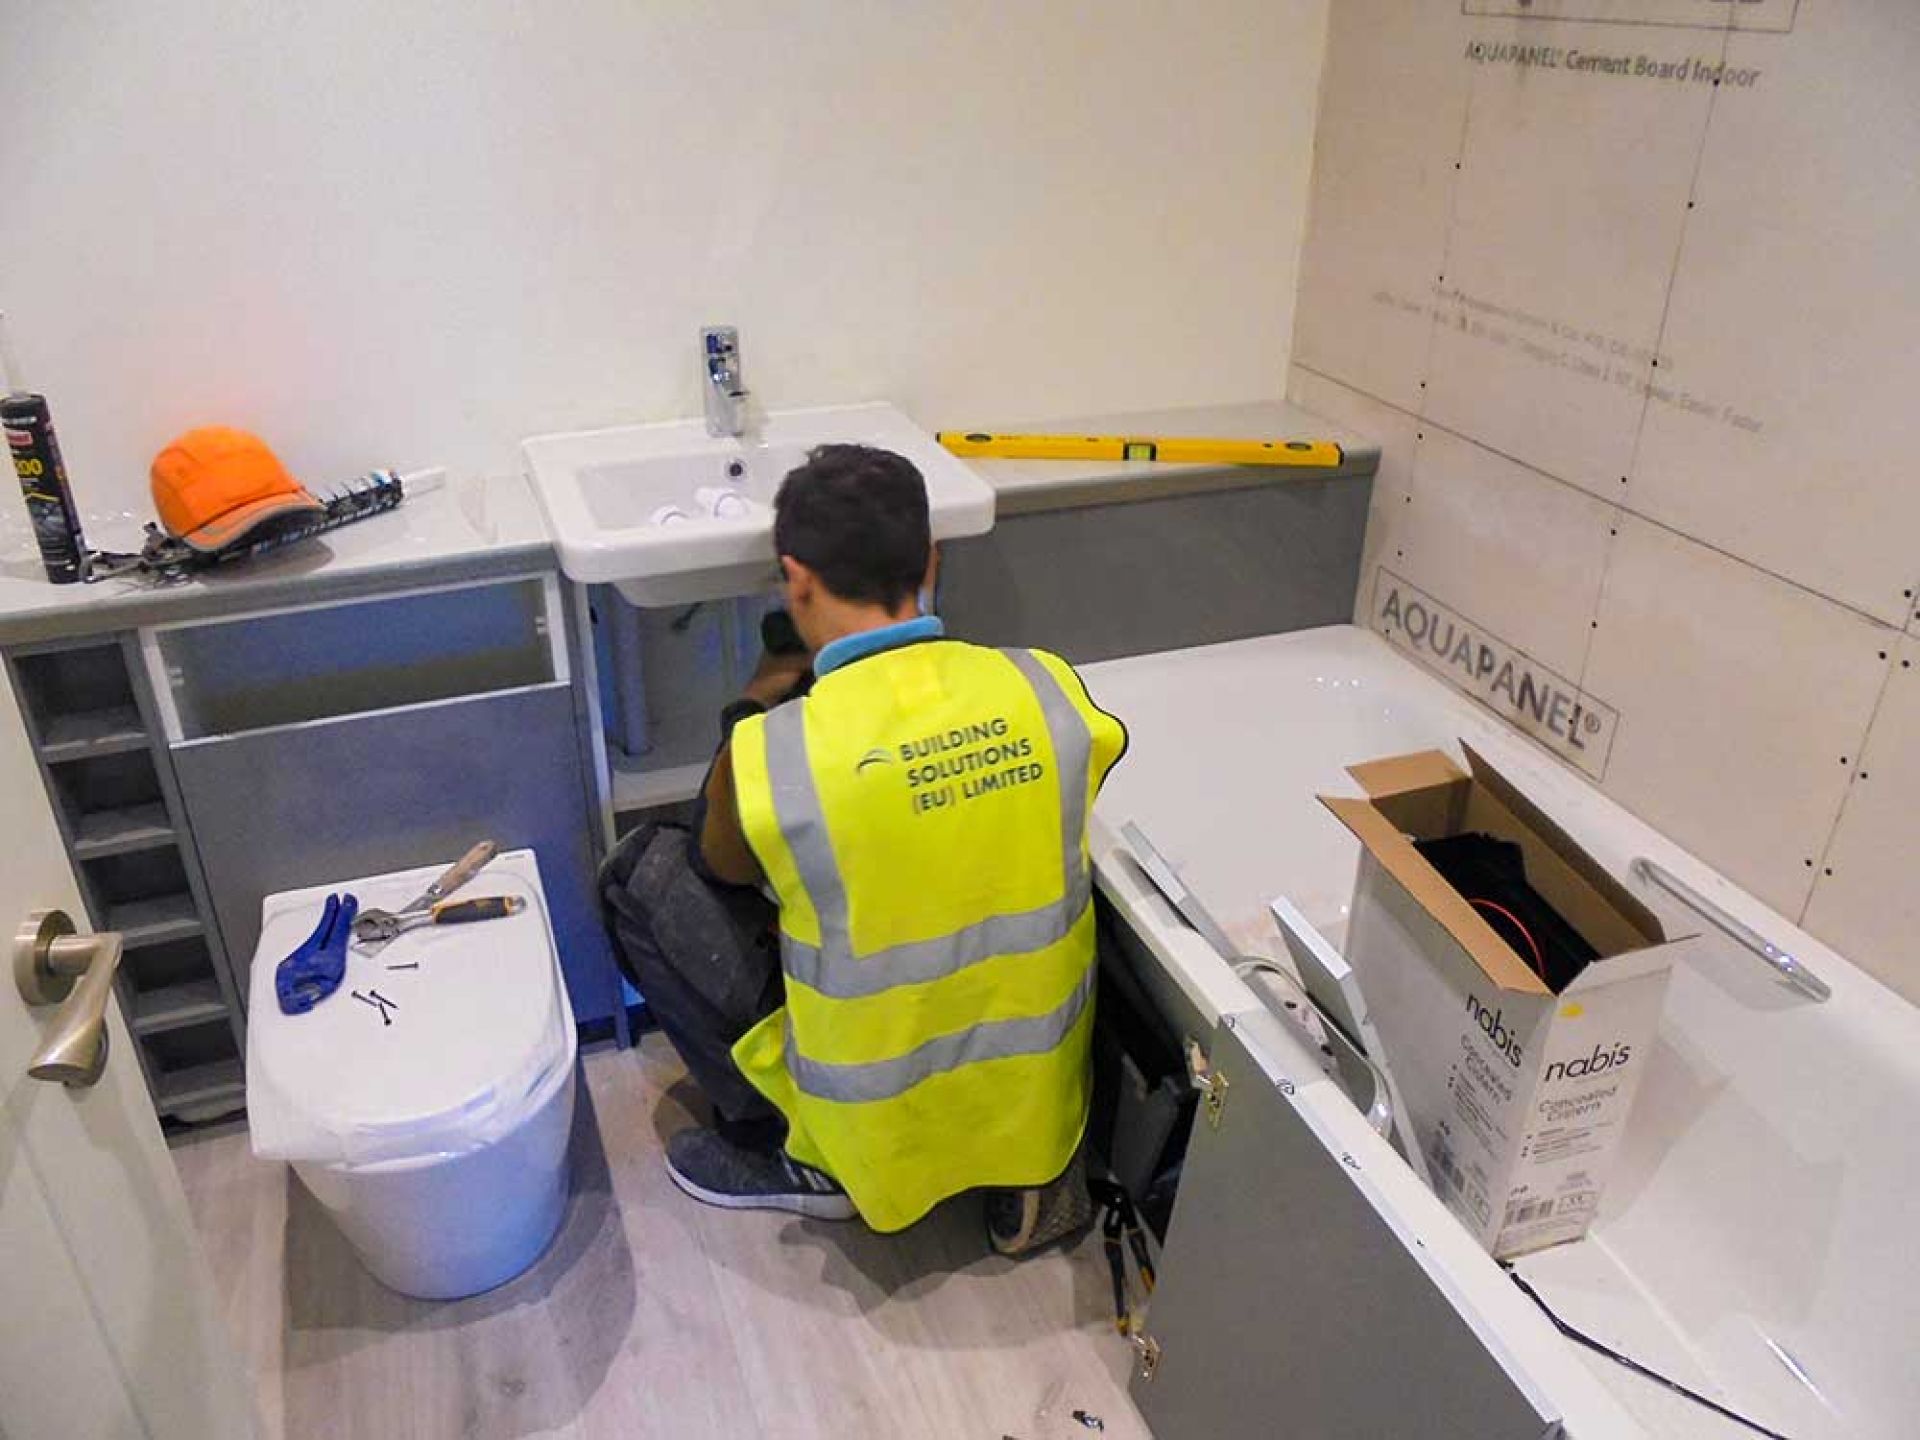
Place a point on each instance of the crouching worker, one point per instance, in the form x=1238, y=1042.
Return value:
x=910, y=1017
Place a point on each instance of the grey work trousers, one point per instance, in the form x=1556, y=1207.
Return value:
x=704, y=956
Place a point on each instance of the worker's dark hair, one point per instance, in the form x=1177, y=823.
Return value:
x=856, y=517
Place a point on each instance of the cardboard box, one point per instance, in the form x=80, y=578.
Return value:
x=1517, y=1096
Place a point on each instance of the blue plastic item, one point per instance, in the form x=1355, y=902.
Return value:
x=314, y=970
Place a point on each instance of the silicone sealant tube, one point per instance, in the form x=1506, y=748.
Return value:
x=35, y=451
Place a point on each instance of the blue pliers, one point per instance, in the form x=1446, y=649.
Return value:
x=314, y=971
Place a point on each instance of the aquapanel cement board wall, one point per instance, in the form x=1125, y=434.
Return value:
x=411, y=235
x=1628, y=290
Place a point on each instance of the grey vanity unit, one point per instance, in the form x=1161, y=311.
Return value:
x=374, y=701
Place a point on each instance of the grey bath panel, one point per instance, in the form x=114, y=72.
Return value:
x=1098, y=582
x=1288, y=1306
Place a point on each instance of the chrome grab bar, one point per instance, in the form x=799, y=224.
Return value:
x=1791, y=970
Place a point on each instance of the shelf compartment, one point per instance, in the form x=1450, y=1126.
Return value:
x=163, y=963
x=98, y=833
x=80, y=701
x=201, y=1092
x=196, y=1070
x=143, y=891
x=174, y=1007
x=170, y=985
x=82, y=733
x=111, y=803
x=155, y=921
x=104, y=782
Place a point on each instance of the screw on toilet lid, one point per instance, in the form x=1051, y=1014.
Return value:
x=437, y=1044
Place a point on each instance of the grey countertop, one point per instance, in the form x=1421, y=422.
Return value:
x=467, y=529
x=1025, y=486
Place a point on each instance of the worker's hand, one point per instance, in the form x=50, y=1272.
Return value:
x=776, y=677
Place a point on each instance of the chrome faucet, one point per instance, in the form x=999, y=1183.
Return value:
x=726, y=393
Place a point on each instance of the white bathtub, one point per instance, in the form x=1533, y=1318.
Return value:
x=1752, y=1243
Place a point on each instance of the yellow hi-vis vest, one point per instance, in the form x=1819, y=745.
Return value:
x=922, y=819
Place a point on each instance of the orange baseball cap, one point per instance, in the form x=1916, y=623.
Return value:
x=215, y=486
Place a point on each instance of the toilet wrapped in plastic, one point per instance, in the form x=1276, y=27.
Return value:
x=428, y=1103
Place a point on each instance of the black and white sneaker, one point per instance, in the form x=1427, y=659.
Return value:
x=716, y=1171
x=1020, y=1222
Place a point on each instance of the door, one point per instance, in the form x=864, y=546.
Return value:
x=109, y=1326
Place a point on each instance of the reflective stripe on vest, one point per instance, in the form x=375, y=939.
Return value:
x=831, y=967
x=990, y=1040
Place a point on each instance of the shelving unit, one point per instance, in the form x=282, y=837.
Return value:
x=109, y=776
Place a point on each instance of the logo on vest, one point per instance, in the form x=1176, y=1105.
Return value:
x=879, y=755
x=963, y=763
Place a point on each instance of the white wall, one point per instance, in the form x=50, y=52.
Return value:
x=412, y=234
x=1640, y=351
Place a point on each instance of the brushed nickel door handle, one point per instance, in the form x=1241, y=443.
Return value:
x=51, y=965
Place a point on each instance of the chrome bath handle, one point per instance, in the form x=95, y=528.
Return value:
x=51, y=964
x=1790, y=969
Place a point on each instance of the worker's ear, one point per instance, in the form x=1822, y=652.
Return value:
x=802, y=583
x=930, y=582
x=804, y=594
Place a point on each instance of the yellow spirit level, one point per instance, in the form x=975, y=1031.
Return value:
x=1169, y=450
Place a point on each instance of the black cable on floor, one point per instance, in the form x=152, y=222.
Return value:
x=1581, y=1338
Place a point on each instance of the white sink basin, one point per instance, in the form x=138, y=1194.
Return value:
x=605, y=491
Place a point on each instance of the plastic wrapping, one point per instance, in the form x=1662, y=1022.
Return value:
x=435, y=1045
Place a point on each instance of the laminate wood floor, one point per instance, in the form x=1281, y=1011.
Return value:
x=652, y=1315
